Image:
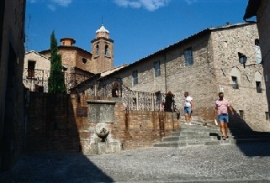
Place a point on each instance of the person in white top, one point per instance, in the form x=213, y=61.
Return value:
x=188, y=107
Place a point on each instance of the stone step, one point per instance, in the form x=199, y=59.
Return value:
x=197, y=134
x=193, y=143
x=184, y=128
x=180, y=138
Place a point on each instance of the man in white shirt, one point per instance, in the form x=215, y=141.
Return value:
x=188, y=107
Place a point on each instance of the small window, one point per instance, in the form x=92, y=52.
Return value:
x=235, y=83
x=97, y=49
x=258, y=53
x=31, y=69
x=188, y=57
x=107, y=50
x=84, y=60
x=135, y=77
x=241, y=113
x=267, y=115
x=258, y=87
x=134, y=101
x=157, y=68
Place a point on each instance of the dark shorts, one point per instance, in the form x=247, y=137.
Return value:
x=223, y=118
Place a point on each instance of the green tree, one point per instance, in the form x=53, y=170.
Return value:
x=56, y=82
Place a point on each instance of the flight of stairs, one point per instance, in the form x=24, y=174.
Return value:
x=198, y=134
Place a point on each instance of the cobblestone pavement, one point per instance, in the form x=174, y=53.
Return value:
x=245, y=162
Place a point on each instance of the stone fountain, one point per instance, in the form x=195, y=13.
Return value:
x=101, y=112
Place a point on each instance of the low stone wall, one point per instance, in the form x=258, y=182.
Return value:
x=62, y=123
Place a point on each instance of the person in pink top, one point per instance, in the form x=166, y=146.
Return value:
x=221, y=111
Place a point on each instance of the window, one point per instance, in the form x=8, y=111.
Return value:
x=241, y=113
x=135, y=77
x=258, y=87
x=258, y=51
x=188, y=57
x=157, y=68
x=84, y=60
x=234, y=83
x=107, y=50
x=97, y=49
x=267, y=115
x=31, y=69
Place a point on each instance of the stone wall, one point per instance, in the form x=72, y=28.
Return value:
x=216, y=61
x=263, y=18
x=226, y=45
x=62, y=123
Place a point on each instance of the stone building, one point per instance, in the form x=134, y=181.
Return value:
x=36, y=71
x=203, y=64
x=12, y=21
x=79, y=64
x=261, y=9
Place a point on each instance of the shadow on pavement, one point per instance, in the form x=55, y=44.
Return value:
x=57, y=167
x=250, y=142
x=53, y=150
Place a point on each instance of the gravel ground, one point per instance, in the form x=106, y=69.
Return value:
x=245, y=162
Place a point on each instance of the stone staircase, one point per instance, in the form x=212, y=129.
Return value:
x=199, y=134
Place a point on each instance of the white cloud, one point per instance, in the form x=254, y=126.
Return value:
x=62, y=2
x=150, y=5
x=52, y=7
x=52, y=4
x=191, y=1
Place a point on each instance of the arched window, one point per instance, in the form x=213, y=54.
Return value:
x=235, y=78
x=106, y=50
x=97, y=49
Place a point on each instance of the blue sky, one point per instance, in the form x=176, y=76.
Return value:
x=138, y=27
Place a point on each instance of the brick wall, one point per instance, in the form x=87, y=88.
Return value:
x=51, y=123
x=60, y=123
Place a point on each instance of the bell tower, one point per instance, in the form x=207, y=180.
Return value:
x=102, y=50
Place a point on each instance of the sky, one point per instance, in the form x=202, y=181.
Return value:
x=137, y=27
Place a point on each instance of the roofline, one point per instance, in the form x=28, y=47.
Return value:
x=251, y=9
x=33, y=51
x=67, y=47
x=73, y=40
x=201, y=33
x=102, y=38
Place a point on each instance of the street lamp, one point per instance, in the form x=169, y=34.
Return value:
x=242, y=59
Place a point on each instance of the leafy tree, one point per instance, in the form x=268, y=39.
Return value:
x=56, y=82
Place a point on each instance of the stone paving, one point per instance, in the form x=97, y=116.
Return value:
x=245, y=162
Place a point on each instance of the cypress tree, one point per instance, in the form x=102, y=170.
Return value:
x=56, y=82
